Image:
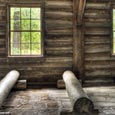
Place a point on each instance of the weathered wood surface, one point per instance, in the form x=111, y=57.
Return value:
x=80, y=101
x=7, y=83
x=97, y=22
x=20, y=85
x=58, y=42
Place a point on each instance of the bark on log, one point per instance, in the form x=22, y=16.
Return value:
x=7, y=83
x=79, y=99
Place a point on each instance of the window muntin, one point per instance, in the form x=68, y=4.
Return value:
x=25, y=31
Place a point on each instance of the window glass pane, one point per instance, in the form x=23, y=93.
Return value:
x=25, y=24
x=25, y=49
x=35, y=13
x=25, y=34
x=15, y=13
x=36, y=49
x=15, y=37
x=15, y=49
x=25, y=13
x=15, y=24
x=35, y=25
x=35, y=37
x=25, y=37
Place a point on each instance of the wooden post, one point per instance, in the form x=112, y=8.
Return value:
x=7, y=83
x=79, y=99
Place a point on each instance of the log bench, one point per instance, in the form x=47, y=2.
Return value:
x=80, y=101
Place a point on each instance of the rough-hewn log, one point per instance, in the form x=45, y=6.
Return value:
x=79, y=99
x=7, y=83
x=20, y=85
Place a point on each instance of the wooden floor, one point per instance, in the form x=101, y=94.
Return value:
x=53, y=101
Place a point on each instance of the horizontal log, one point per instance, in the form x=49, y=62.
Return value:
x=99, y=73
x=96, y=15
x=58, y=15
x=103, y=58
x=96, y=40
x=97, y=63
x=58, y=59
x=37, y=69
x=44, y=65
x=97, y=32
x=97, y=48
x=20, y=85
x=99, y=25
x=60, y=32
x=59, y=24
x=48, y=59
x=46, y=79
x=61, y=53
x=2, y=5
x=41, y=84
x=58, y=4
x=59, y=42
x=90, y=67
x=97, y=20
x=59, y=48
x=2, y=33
x=100, y=6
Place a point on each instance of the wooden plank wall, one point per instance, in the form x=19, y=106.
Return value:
x=97, y=22
x=58, y=44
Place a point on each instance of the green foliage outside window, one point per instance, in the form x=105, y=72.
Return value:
x=25, y=31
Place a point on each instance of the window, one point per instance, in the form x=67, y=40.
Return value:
x=25, y=32
x=113, y=31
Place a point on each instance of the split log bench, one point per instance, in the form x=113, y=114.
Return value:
x=80, y=101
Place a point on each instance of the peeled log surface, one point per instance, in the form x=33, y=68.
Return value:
x=79, y=99
x=7, y=83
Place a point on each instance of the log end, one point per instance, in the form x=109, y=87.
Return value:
x=14, y=72
x=84, y=104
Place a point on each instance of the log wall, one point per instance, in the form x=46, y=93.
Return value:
x=60, y=43
x=99, y=63
x=58, y=40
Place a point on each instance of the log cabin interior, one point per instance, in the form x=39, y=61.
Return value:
x=57, y=57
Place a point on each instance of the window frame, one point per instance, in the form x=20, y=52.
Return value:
x=112, y=32
x=9, y=31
